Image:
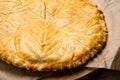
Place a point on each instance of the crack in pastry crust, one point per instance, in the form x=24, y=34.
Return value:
x=50, y=34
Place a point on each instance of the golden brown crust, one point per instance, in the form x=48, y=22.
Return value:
x=50, y=34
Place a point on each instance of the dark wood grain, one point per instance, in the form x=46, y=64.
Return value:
x=102, y=74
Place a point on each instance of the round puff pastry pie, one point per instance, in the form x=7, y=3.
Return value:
x=50, y=34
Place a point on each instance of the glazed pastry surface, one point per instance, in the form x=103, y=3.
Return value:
x=50, y=34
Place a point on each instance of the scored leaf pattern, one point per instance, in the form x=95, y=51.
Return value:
x=48, y=32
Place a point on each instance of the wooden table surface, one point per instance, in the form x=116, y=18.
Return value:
x=102, y=74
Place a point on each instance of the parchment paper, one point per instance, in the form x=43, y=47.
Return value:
x=108, y=58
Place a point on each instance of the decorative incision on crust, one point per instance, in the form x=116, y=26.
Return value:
x=50, y=34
